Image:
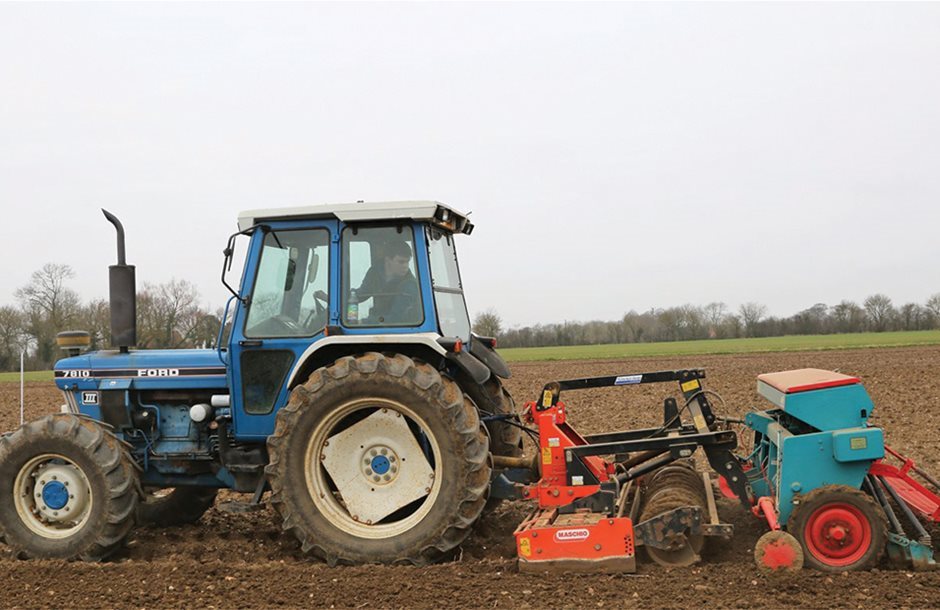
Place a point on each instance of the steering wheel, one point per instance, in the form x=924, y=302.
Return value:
x=288, y=323
x=321, y=302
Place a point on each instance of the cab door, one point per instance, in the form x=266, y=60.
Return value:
x=289, y=285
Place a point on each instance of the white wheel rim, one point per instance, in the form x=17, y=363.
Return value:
x=358, y=504
x=52, y=496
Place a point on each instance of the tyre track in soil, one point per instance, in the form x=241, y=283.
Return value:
x=244, y=561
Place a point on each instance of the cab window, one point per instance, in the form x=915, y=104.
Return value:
x=380, y=285
x=290, y=297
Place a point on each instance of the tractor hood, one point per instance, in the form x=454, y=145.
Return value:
x=147, y=368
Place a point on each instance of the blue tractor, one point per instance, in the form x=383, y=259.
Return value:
x=348, y=384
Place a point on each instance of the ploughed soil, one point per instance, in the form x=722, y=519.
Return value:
x=243, y=560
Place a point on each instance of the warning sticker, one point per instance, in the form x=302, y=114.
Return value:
x=688, y=386
x=628, y=379
x=547, y=398
x=546, y=455
x=858, y=442
x=525, y=547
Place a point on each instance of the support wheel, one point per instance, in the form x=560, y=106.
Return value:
x=778, y=552
x=68, y=490
x=840, y=529
x=378, y=459
x=175, y=505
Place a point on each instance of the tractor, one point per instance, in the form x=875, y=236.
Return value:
x=348, y=385
x=349, y=388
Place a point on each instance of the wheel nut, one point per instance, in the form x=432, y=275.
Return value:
x=384, y=451
x=368, y=472
x=374, y=453
x=376, y=478
x=394, y=468
x=386, y=477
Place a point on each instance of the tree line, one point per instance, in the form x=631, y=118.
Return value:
x=169, y=315
x=717, y=321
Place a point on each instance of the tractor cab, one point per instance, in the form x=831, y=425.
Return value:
x=321, y=281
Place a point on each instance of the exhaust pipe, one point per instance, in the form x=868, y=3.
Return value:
x=123, y=301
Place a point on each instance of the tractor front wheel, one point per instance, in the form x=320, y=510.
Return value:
x=68, y=490
x=840, y=529
x=378, y=459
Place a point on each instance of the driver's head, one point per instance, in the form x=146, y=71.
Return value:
x=397, y=257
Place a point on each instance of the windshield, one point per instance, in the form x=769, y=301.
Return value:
x=448, y=291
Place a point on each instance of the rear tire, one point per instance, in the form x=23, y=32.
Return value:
x=385, y=417
x=491, y=398
x=840, y=529
x=68, y=490
x=176, y=506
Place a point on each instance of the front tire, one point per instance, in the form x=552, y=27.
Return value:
x=68, y=490
x=378, y=459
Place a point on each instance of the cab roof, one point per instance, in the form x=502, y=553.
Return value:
x=441, y=215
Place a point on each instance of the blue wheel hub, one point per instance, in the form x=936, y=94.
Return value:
x=55, y=495
x=380, y=464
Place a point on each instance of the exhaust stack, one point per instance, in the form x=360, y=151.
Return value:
x=123, y=290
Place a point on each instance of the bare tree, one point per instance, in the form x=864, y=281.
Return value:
x=933, y=305
x=848, y=317
x=49, y=306
x=488, y=323
x=714, y=314
x=13, y=336
x=751, y=314
x=880, y=311
x=169, y=315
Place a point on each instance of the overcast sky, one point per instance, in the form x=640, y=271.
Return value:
x=614, y=156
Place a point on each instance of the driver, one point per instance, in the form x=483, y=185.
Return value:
x=392, y=287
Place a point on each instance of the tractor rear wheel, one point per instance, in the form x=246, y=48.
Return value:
x=378, y=459
x=175, y=506
x=68, y=490
x=491, y=398
x=840, y=529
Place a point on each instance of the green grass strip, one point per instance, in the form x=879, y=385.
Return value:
x=30, y=376
x=723, y=346
x=794, y=343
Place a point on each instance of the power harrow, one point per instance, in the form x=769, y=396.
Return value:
x=838, y=502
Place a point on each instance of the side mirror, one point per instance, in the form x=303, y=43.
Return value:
x=313, y=269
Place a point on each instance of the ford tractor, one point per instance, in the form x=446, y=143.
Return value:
x=347, y=384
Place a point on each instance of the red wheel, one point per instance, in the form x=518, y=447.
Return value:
x=840, y=528
x=778, y=552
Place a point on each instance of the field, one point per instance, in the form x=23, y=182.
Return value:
x=244, y=561
x=723, y=346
